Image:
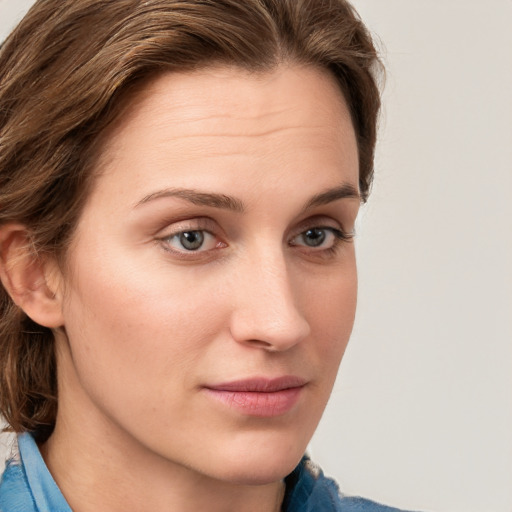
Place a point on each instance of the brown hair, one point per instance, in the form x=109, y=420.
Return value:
x=63, y=72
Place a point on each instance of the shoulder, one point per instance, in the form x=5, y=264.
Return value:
x=357, y=504
x=27, y=485
x=15, y=494
x=309, y=490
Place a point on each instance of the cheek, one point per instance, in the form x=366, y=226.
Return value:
x=332, y=311
x=330, y=304
x=138, y=332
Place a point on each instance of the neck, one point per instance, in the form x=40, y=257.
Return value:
x=125, y=479
x=88, y=451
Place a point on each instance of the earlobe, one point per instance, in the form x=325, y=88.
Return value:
x=30, y=280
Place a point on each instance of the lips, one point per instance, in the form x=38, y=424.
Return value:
x=259, y=396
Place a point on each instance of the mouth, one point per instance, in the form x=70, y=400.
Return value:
x=259, y=396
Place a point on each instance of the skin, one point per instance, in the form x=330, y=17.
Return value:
x=145, y=324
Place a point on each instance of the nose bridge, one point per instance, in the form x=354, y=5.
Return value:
x=266, y=309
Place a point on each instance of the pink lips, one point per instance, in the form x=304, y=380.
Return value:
x=259, y=396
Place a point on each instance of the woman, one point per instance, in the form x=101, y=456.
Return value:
x=179, y=184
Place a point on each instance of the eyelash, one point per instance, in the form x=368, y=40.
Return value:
x=340, y=237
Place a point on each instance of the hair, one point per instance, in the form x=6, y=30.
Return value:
x=64, y=72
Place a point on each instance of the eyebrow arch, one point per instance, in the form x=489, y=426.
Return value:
x=199, y=198
x=346, y=190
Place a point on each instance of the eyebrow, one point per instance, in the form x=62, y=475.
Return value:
x=344, y=191
x=199, y=198
x=225, y=202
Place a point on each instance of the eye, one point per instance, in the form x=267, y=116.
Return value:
x=313, y=237
x=191, y=241
x=320, y=237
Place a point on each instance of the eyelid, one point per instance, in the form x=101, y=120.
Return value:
x=323, y=222
x=339, y=234
x=175, y=226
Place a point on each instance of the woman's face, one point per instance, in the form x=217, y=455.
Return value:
x=211, y=283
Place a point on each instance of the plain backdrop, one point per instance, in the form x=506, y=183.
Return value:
x=421, y=415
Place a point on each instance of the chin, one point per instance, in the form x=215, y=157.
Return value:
x=260, y=463
x=265, y=473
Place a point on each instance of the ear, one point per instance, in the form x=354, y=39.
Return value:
x=33, y=283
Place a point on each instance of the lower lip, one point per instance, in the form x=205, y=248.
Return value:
x=253, y=403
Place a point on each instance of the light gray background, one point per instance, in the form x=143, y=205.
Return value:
x=421, y=416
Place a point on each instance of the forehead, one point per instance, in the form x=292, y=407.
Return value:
x=200, y=123
x=232, y=101
x=223, y=87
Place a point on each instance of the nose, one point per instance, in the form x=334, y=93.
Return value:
x=265, y=308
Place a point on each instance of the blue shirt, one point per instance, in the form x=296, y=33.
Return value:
x=28, y=486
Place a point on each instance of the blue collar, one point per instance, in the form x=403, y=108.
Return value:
x=28, y=485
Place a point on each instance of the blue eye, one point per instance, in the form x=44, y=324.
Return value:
x=314, y=237
x=320, y=237
x=192, y=240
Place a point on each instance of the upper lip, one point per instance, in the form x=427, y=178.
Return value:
x=260, y=384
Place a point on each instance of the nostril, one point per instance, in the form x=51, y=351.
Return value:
x=249, y=329
x=265, y=312
x=261, y=344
